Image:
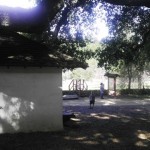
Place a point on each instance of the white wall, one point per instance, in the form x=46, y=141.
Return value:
x=31, y=99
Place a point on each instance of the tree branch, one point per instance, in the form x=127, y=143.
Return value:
x=129, y=2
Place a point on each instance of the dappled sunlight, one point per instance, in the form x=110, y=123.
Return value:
x=143, y=135
x=81, y=138
x=76, y=119
x=97, y=135
x=67, y=138
x=125, y=120
x=111, y=137
x=100, y=117
x=90, y=142
x=115, y=140
x=107, y=103
x=103, y=116
x=138, y=110
x=112, y=126
x=143, y=119
x=13, y=110
x=141, y=144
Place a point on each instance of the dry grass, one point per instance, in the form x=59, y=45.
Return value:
x=106, y=128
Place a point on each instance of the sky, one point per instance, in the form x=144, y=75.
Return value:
x=18, y=3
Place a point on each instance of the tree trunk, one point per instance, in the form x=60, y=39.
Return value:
x=140, y=81
x=129, y=76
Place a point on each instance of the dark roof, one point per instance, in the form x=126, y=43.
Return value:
x=111, y=75
x=17, y=50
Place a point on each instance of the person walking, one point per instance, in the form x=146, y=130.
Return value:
x=102, y=91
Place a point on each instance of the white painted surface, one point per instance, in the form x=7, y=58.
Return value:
x=31, y=99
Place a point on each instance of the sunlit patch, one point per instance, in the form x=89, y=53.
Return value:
x=99, y=117
x=107, y=103
x=15, y=125
x=16, y=116
x=14, y=99
x=125, y=120
x=102, y=117
x=13, y=110
x=97, y=135
x=81, y=138
x=32, y=105
x=143, y=119
x=93, y=114
x=138, y=110
x=143, y=135
x=90, y=142
x=75, y=119
x=141, y=144
x=1, y=129
x=115, y=140
x=114, y=116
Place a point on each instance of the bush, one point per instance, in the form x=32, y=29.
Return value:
x=85, y=93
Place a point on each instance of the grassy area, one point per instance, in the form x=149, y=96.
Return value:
x=111, y=128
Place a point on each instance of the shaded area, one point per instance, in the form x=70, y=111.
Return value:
x=18, y=50
x=104, y=127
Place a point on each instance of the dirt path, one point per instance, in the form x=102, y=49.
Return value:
x=121, y=124
x=107, y=101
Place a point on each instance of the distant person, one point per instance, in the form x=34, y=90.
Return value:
x=102, y=91
x=92, y=100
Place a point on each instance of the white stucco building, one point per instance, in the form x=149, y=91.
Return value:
x=31, y=99
x=30, y=85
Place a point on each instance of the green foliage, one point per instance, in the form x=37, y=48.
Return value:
x=81, y=74
x=87, y=73
x=129, y=30
x=128, y=40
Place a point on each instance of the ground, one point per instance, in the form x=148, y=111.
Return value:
x=113, y=124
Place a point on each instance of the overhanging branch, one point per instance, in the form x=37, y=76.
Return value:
x=129, y=2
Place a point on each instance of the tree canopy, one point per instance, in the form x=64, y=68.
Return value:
x=39, y=18
x=128, y=22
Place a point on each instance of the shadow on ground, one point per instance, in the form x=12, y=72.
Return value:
x=104, y=127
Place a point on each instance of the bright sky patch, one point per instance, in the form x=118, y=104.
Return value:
x=18, y=3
